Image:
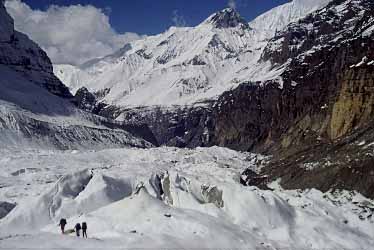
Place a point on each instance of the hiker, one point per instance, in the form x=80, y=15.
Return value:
x=78, y=229
x=62, y=225
x=84, y=229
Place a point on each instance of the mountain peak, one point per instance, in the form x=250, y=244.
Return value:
x=226, y=18
x=6, y=25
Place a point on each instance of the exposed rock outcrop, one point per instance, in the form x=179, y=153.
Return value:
x=6, y=25
x=20, y=53
x=355, y=103
x=5, y=208
x=181, y=126
x=35, y=106
x=309, y=106
x=88, y=101
x=227, y=18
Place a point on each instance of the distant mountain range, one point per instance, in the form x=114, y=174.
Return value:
x=186, y=65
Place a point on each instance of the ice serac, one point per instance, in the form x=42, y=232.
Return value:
x=196, y=195
x=75, y=193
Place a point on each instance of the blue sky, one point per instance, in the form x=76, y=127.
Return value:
x=75, y=31
x=152, y=17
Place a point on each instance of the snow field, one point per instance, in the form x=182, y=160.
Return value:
x=168, y=197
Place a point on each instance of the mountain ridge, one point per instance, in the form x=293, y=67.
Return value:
x=181, y=66
x=35, y=106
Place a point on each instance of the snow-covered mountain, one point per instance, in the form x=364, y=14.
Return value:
x=35, y=107
x=267, y=24
x=186, y=65
x=180, y=66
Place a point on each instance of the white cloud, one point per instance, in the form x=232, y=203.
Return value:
x=178, y=20
x=232, y=4
x=69, y=34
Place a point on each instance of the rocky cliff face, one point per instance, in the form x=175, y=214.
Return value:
x=35, y=107
x=311, y=98
x=354, y=105
x=343, y=157
x=319, y=125
x=227, y=18
x=178, y=127
x=21, y=54
x=6, y=25
x=339, y=21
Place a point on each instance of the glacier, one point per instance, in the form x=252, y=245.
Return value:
x=112, y=191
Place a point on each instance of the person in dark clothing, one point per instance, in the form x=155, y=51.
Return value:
x=84, y=229
x=78, y=229
x=62, y=225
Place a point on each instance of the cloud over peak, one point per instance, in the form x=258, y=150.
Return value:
x=69, y=34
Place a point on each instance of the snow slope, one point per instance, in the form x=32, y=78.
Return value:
x=180, y=66
x=187, y=65
x=30, y=116
x=202, y=204
x=267, y=24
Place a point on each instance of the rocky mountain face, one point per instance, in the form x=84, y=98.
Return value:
x=318, y=126
x=319, y=51
x=21, y=54
x=227, y=18
x=179, y=127
x=35, y=106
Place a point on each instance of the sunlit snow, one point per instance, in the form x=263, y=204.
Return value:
x=117, y=192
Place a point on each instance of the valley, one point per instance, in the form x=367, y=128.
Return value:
x=229, y=134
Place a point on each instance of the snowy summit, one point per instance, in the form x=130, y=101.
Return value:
x=227, y=18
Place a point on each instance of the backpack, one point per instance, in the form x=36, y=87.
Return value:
x=84, y=225
x=63, y=222
x=78, y=227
